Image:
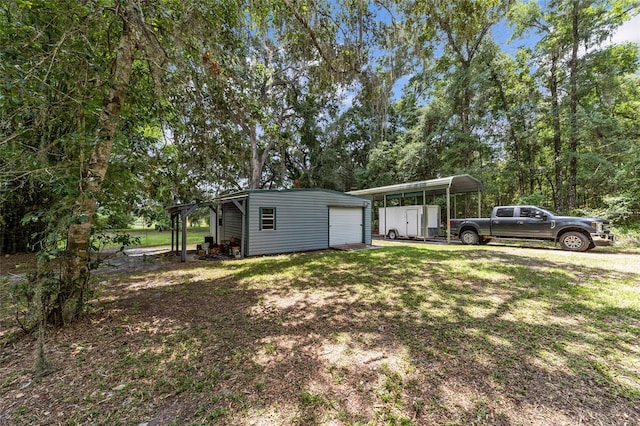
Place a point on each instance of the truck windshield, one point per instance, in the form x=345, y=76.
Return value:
x=547, y=211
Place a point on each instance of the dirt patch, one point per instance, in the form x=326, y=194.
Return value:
x=15, y=266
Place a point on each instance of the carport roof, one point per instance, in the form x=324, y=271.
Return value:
x=456, y=185
x=188, y=207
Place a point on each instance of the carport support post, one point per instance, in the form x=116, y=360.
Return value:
x=213, y=223
x=449, y=215
x=386, y=213
x=479, y=204
x=183, y=256
x=173, y=217
x=425, y=215
x=177, y=232
x=174, y=231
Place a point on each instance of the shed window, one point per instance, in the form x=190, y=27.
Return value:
x=267, y=218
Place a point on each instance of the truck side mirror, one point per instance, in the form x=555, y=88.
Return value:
x=542, y=216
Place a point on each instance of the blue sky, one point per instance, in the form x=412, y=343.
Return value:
x=628, y=32
x=501, y=32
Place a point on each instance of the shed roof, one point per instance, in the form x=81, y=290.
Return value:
x=456, y=185
x=247, y=192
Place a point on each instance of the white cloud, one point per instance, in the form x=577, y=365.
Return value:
x=629, y=31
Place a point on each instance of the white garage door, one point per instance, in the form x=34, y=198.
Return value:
x=345, y=226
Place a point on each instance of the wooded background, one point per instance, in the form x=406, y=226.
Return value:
x=114, y=109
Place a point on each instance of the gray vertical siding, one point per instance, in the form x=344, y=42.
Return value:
x=231, y=222
x=302, y=220
x=368, y=219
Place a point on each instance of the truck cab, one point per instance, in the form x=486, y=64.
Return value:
x=521, y=222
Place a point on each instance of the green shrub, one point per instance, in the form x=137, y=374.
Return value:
x=628, y=235
x=618, y=209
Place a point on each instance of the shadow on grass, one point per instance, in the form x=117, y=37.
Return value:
x=401, y=335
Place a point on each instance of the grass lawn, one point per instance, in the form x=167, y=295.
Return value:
x=152, y=238
x=408, y=334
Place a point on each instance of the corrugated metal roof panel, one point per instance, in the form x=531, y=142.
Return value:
x=456, y=184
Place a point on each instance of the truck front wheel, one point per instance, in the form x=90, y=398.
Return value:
x=574, y=241
x=469, y=237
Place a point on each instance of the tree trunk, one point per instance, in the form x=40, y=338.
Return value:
x=573, y=105
x=256, y=163
x=75, y=276
x=258, y=158
x=557, y=135
x=513, y=134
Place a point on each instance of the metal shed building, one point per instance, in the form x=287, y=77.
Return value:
x=282, y=221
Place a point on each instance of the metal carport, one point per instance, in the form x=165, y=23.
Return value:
x=448, y=186
x=179, y=214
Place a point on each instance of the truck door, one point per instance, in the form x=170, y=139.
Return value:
x=533, y=223
x=503, y=224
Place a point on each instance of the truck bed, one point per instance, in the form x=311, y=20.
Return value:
x=481, y=224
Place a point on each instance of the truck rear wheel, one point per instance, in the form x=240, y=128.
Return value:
x=469, y=237
x=574, y=241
